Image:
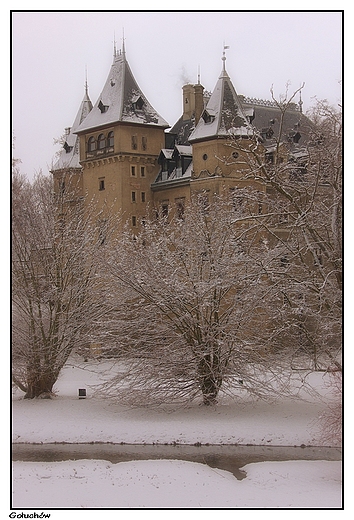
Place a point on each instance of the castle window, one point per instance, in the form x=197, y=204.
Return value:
x=110, y=139
x=205, y=156
x=238, y=199
x=103, y=108
x=294, y=136
x=91, y=144
x=101, y=185
x=133, y=171
x=269, y=157
x=102, y=231
x=133, y=220
x=142, y=171
x=318, y=260
x=164, y=210
x=137, y=103
x=284, y=261
x=143, y=196
x=180, y=208
x=208, y=118
x=101, y=142
x=133, y=196
x=67, y=148
x=203, y=202
x=144, y=142
x=134, y=142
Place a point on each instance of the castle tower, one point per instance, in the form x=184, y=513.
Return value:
x=120, y=141
x=222, y=120
x=67, y=171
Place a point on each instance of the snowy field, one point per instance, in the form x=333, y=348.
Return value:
x=101, y=484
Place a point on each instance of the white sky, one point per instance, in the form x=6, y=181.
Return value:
x=51, y=50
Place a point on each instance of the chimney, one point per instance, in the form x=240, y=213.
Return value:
x=199, y=101
x=193, y=103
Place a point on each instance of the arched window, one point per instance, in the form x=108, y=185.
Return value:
x=110, y=139
x=101, y=142
x=91, y=144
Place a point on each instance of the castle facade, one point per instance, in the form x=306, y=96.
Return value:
x=121, y=153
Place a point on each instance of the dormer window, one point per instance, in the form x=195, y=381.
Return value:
x=267, y=133
x=208, y=118
x=137, y=103
x=67, y=148
x=294, y=136
x=102, y=107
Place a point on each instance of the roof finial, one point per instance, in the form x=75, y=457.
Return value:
x=300, y=102
x=114, y=45
x=123, y=46
x=86, y=84
x=198, y=74
x=224, y=57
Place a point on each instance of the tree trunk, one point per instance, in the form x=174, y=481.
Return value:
x=209, y=378
x=40, y=383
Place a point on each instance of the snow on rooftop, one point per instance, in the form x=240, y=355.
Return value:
x=121, y=100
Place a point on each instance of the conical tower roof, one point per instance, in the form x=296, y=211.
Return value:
x=69, y=155
x=223, y=116
x=121, y=100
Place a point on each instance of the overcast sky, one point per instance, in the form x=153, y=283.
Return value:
x=51, y=52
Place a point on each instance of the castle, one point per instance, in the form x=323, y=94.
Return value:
x=123, y=154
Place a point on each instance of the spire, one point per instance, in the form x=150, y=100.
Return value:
x=300, y=103
x=69, y=155
x=86, y=84
x=224, y=58
x=114, y=45
x=224, y=115
x=123, y=44
x=121, y=100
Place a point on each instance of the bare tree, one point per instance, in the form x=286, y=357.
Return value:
x=188, y=308
x=301, y=171
x=56, y=295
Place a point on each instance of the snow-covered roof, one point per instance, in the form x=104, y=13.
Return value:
x=70, y=154
x=184, y=149
x=167, y=152
x=121, y=100
x=223, y=114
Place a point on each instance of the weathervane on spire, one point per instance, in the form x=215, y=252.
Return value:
x=300, y=102
x=223, y=55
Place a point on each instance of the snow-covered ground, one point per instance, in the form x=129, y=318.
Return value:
x=169, y=483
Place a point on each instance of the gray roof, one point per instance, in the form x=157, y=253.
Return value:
x=69, y=155
x=223, y=115
x=267, y=114
x=184, y=149
x=121, y=100
x=182, y=129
